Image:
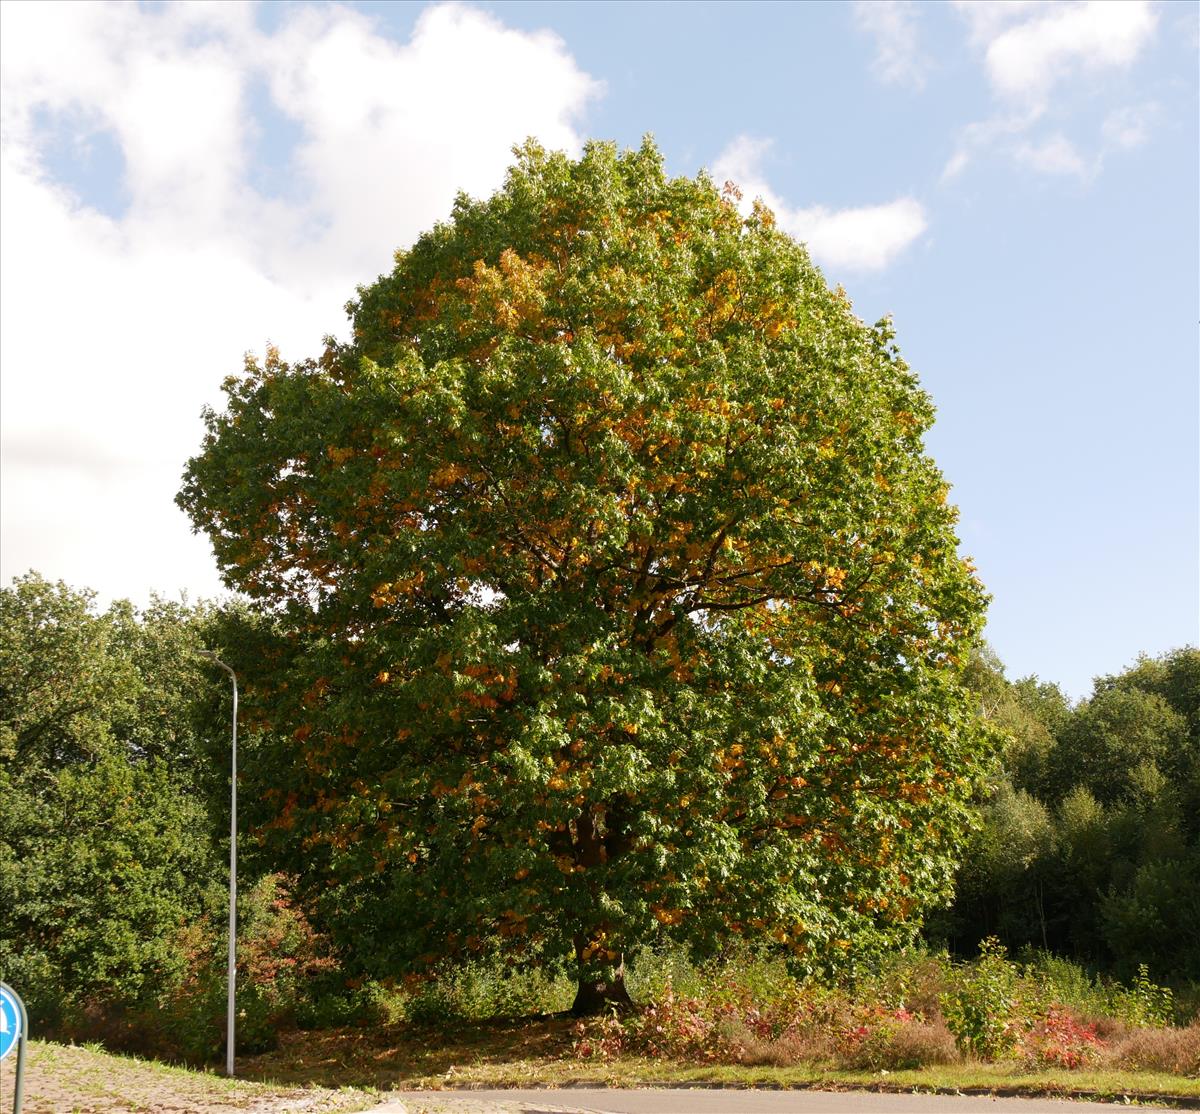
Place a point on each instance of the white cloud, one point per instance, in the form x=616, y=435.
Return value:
x=1129, y=127
x=1031, y=51
x=999, y=131
x=859, y=239
x=400, y=128
x=118, y=329
x=987, y=18
x=956, y=164
x=899, y=59
x=1054, y=155
x=1027, y=59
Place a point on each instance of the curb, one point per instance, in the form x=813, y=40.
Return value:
x=1117, y=1098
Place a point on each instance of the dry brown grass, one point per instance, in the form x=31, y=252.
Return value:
x=925, y=983
x=1111, y=1030
x=1173, y=1050
x=912, y=1044
x=918, y=1044
x=787, y=1050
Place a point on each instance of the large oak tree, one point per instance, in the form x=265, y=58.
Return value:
x=620, y=600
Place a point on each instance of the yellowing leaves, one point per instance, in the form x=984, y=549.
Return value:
x=391, y=591
x=724, y=296
x=512, y=293
x=448, y=474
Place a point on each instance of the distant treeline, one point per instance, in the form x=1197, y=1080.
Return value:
x=113, y=827
x=1090, y=838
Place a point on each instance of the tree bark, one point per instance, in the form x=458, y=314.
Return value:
x=595, y=996
x=592, y=849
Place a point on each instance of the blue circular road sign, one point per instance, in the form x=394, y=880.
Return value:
x=10, y=1021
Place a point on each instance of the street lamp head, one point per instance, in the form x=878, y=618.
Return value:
x=208, y=654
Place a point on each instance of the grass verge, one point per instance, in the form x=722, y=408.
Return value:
x=538, y=1053
x=68, y=1079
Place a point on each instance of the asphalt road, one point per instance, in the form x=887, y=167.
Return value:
x=704, y=1101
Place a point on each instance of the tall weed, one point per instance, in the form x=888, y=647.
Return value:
x=980, y=1007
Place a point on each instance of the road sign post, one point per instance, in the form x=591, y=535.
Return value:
x=14, y=1030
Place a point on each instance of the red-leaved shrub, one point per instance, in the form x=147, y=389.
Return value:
x=1060, y=1040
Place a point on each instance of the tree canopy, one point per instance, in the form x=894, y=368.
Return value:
x=1090, y=842
x=617, y=597
x=106, y=847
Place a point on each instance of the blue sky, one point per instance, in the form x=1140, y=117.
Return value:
x=1016, y=183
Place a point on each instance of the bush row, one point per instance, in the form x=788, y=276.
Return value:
x=921, y=1009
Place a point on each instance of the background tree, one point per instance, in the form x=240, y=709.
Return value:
x=114, y=791
x=621, y=600
x=61, y=685
x=1090, y=843
x=106, y=845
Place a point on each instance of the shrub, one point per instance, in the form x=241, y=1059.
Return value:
x=993, y=1009
x=483, y=988
x=980, y=1008
x=809, y=1025
x=330, y=1002
x=895, y=1040
x=739, y=974
x=1060, y=1040
x=724, y=1027
x=1049, y=980
x=685, y=1028
x=1144, y=1004
x=918, y=1044
x=791, y=1048
x=912, y=979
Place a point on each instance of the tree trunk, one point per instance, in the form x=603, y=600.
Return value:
x=596, y=994
x=599, y=995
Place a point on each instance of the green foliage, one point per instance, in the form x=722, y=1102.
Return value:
x=1146, y=1004
x=115, y=744
x=62, y=687
x=485, y=988
x=761, y=975
x=618, y=601
x=1111, y=735
x=99, y=867
x=105, y=848
x=1017, y=833
x=1157, y=917
x=981, y=1007
x=1090, y=842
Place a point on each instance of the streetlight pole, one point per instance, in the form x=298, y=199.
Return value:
x=230, y=1007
